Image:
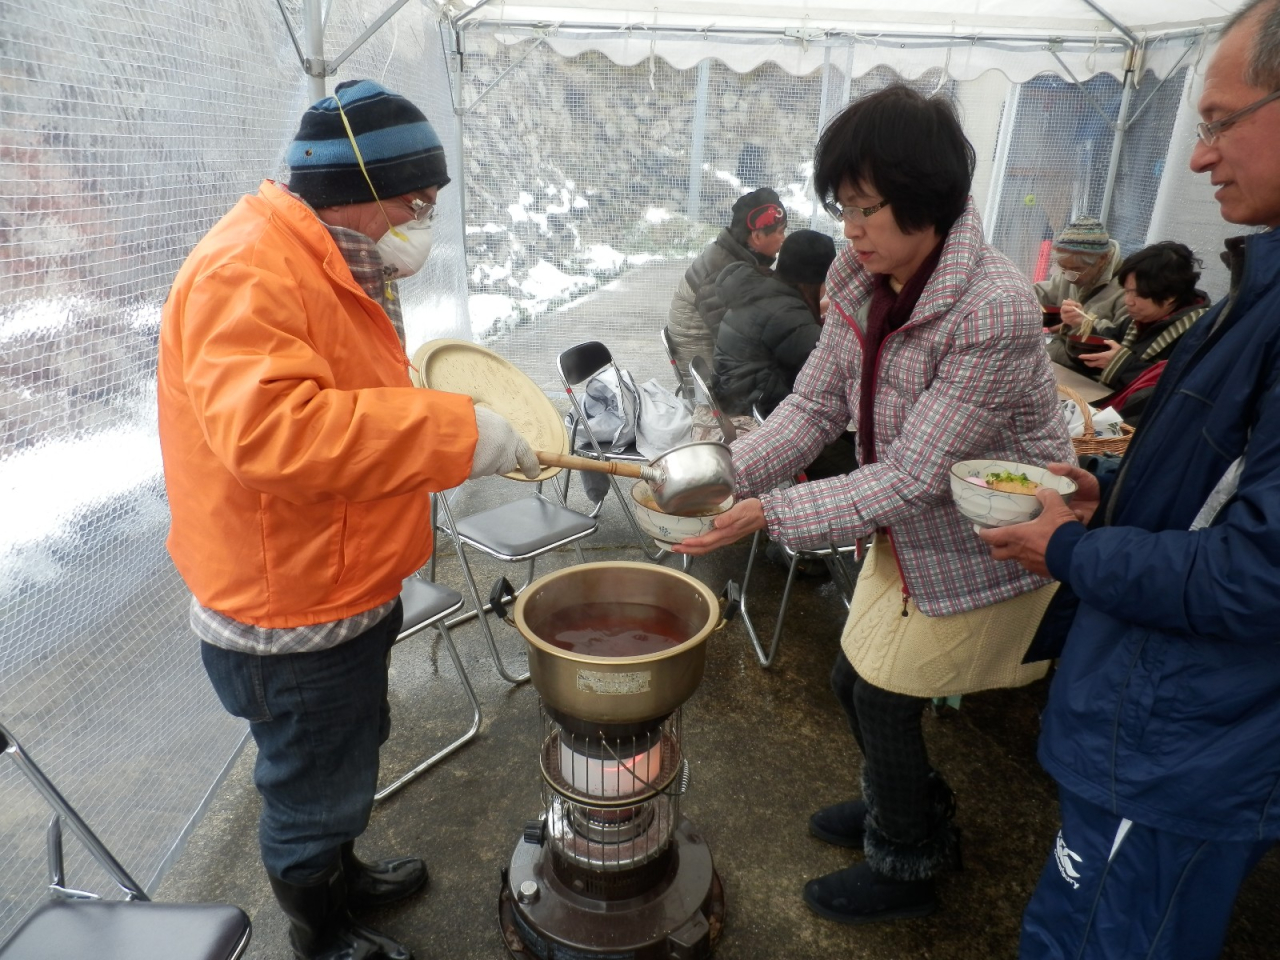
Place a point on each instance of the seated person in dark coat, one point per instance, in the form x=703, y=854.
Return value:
x=771, y=323
x=1162, y=304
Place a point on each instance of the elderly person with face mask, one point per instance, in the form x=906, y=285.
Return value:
x=1084, y=291
x=299, y=463
x=933, y=347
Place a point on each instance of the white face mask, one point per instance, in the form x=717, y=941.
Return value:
x=405, y=248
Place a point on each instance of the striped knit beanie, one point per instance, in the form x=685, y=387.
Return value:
x=1084, y=235
x=400, y=150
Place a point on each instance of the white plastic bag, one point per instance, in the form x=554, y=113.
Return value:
x=612, y=412
x=1106, y=423
x=666, y=420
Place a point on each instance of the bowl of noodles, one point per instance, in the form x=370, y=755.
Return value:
x=999, y=493
x=665, y=528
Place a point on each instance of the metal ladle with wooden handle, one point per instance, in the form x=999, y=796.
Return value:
x=687, y=480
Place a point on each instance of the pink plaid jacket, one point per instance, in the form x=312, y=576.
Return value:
x=967, y=376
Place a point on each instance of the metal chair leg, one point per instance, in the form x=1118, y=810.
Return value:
x=644, y=539
x=457, y=744
x=840, y=574
x=766, y=659
x=483, y=620
x=64, y=811
x=479, y=605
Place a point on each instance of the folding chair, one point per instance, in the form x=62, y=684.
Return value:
x=426, y=605
x=577, y=365
x=832, y=556
x=682, y=385
x=76, y=924
x=701, y=375
x=521, y=530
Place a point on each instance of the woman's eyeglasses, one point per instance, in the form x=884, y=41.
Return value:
x=852, y=214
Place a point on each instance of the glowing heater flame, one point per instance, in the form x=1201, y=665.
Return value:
x=607, y=776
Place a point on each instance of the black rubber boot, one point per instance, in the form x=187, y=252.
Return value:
x=859, y=894
x=841, y=824
x=381, y=882
x=320, y=924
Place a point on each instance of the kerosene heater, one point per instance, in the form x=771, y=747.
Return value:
x=610, y=868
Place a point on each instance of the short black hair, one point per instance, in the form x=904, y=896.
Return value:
x=1163, y=271
x=909, y=147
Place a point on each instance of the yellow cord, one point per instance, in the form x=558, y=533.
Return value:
x=391, y=227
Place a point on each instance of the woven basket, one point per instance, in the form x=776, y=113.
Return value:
x=1090, y=443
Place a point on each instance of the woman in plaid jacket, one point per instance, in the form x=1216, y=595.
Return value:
x=933, y=348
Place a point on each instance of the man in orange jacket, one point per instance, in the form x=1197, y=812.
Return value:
x=299, y=463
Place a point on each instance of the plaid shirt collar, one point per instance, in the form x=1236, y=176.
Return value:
x=366, y=266
x=369, y=270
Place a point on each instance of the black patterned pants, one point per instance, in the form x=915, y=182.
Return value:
x=899, y=784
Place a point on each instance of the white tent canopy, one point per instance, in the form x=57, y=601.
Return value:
x=1073, y=38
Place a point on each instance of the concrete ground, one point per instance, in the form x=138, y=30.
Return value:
x=766, y=748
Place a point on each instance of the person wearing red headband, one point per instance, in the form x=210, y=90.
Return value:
x=754, y=236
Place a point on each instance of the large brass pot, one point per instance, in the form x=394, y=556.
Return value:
x=616, y=689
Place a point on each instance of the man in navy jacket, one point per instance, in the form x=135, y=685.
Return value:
x=1163, y=722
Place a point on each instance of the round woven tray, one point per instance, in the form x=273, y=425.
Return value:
x=1089, y=443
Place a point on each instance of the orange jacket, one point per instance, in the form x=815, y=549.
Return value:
x=297, y=457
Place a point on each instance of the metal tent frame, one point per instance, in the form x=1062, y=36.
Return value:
x=453, y=29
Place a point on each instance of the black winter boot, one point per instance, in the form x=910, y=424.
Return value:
x=896, y=881
x=320, y=925
x=859, y=894
x=841, y=824
x=380, y=882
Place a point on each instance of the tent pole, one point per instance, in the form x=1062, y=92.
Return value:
x=995, y=196
x=313, y=39
x=454, y=65
x=694, y=206
x=824, y=114
x=1117, y=139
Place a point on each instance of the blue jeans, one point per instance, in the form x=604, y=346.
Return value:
x=1115, y=890
x=318, y=720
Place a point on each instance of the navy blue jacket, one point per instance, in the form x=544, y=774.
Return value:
x=1166, y=705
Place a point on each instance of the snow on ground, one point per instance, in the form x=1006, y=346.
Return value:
x=546, y=282
x=724, y=175
x=490, y=312
x=601, y=257
x=54, y=481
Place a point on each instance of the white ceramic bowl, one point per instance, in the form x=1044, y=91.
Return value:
x=992, y=508
x=667, y=528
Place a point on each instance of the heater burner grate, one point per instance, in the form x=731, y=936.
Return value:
x=643, y=837
x=598, y=772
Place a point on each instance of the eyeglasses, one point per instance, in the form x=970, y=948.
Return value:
x=852, y=214
x=423, y=212
x=1207, y=133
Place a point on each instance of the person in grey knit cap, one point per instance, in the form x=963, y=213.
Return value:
x=1083, y=292
x=754, y=236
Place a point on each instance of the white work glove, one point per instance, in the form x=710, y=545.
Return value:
x=499, y=449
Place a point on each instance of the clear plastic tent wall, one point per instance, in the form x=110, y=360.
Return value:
x=126, y=130
x=594, y=164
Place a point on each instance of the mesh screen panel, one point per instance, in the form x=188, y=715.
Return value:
x=590, y=176
x=126, y=130
x=1142, y=159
